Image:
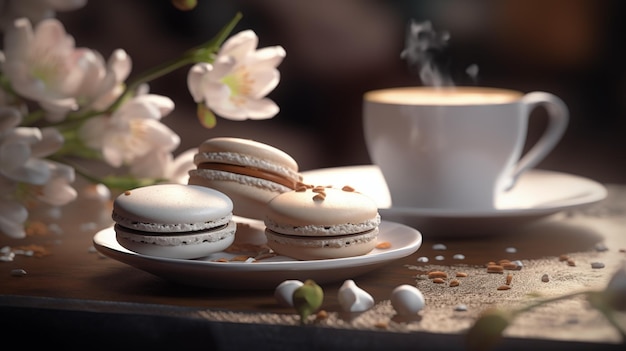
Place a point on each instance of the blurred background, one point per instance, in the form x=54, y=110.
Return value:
x=337, y=50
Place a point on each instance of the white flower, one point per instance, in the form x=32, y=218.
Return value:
x=44, y=65
x=58, y=191
x=236, y=84
x=132, y=132
x=103, y=84
x=34, y=10
x=13, y=215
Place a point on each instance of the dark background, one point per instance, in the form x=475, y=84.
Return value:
x=337, y=50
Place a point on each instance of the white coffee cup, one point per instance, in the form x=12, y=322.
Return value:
x=455, y=148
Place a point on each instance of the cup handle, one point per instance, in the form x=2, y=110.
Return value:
x=558, y=118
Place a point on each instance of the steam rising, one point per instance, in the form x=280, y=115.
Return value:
x=426, y=53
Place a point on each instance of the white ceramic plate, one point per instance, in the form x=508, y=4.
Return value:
x=538, y=193
x=266, y=273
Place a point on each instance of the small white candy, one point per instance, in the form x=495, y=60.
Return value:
x=422, y=259
x=459, y=257
x=354, y=299
x=439, y=258
x=510, y=250
x=284, y=292
x=440, y=247
x=407, y=300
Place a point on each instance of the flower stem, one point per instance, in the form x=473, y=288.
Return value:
x=202, y=53
x=549, y=300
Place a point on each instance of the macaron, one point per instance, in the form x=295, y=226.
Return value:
x=313, y=223
x=251, y=173
x=174, y=220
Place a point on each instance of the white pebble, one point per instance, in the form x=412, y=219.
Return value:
x=439, y=258
x=284, y=292
x=518, y=263
x=407, y=300
x=422, y=259
x=459, y=257
x=601, y=247
x=18, y=272
x=460, y=307
x=439, y=247
x=597, y=265
x=510, y=250
x=354, y=299
x=7, y=257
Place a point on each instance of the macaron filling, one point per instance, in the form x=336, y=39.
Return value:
x=215, y=234
x=323, y=230
x=153, y=227
x=273, y=170
x=337, y=241
x=251, y=172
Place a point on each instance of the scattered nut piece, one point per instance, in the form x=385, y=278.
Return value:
x=321, y=314
x=545, y=278
x=221, y=259
x=347, y=188
x=461, y=274
x=437, y=274
x=510, y=266
x=504, y=287
x=454, y=282
x=319, y=197
x=438, y=281
x=509, y=278
x=381, y=325
x=127, y=192
x=571, y=262
x=383, y=245
x=494, y=268
x=563, y=258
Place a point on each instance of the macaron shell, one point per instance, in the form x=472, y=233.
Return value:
x=183, y=246
x=288, y=172
x=295, y=211
x=318, y=248
x=249, y=195
x=249, y=147
x=172, y=207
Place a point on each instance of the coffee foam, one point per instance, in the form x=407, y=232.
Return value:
x=442, y=96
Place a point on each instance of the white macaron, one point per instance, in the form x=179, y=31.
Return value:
x=174, y=220
x=250, y=172
x=322, y=223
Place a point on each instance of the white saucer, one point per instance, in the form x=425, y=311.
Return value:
x=266, y=273
x=538, y=193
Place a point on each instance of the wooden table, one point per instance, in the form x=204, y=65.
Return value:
x=73, y=290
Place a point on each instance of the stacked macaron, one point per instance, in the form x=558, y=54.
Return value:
x=174, y=220
x=249, y=172
x=315, y=222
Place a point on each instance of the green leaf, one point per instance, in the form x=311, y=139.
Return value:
x=487, y=330
x=128, y=182
x=307, y=299
x=185, y=5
